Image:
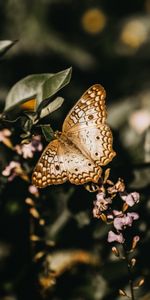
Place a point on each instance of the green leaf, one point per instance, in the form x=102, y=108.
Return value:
x=47, y=132
x=38, y=86
x=54, y=105
x=25, y=89
x=52, y=85
x=31, y=115
x=5, y=46
x=25, y=135
x=27, y=125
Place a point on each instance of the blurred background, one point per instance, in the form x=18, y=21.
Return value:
x=105, y=42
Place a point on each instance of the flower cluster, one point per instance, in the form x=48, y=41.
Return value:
x=121, y=219
x=28, y=150
x=12, y=170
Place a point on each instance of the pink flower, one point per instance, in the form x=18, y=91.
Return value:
x=102, y=202
x=96, y=212
x=28, y=150
x=131, y=198
x=100, y=196
x=113, y=237
x=133, y=215
x=125, y=220
x=120, y=222
x=4, y=133
x=12, y=170
x=33, y=189
x=36, y=143
x=117, y=212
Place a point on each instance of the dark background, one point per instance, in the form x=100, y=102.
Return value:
x=105, y=42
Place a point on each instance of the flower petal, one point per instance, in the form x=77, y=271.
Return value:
x=113, y=237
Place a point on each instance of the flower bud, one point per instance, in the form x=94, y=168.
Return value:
x=135, y=240
x=42, y=222
x=125, y=207
x=122, y=293
x=38, y=255
x=140, y=282
x=115, y=251
x=29, y=201
x=103, y=217
x=34, y=213
x=34, y=238
x=133, y=262
x=106, y=175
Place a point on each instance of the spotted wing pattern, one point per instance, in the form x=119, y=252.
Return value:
x=79, y=168
x=83, y=147
x=63, y=161
x=86, y=126
x=50, y=167
x=89, y=110
x=94, y=142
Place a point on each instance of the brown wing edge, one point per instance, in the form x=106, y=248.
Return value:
x=97, y=86
x=42, y=174
x=85, y=178
x=109, y=153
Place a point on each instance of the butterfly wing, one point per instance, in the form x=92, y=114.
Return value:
x=90, y=109
x=94, y=142
x=86, y=126
x=87, y=144
x=79, y=168
x=62, y=161
x=50, y=167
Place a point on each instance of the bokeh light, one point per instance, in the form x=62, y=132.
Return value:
x=139, y=120
x=134, y=33
x=93, y=20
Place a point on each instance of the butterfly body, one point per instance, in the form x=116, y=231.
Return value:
x=83, y=146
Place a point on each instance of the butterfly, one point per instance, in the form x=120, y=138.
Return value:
x=82, y=148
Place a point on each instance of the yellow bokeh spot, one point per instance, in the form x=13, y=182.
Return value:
x=29, y=105
x=93, y=21
x=134, y=34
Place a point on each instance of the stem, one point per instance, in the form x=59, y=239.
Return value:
x=129, y=273
x=31, y=232
x=131, y=283
x=53, y=229
x=58, y=224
